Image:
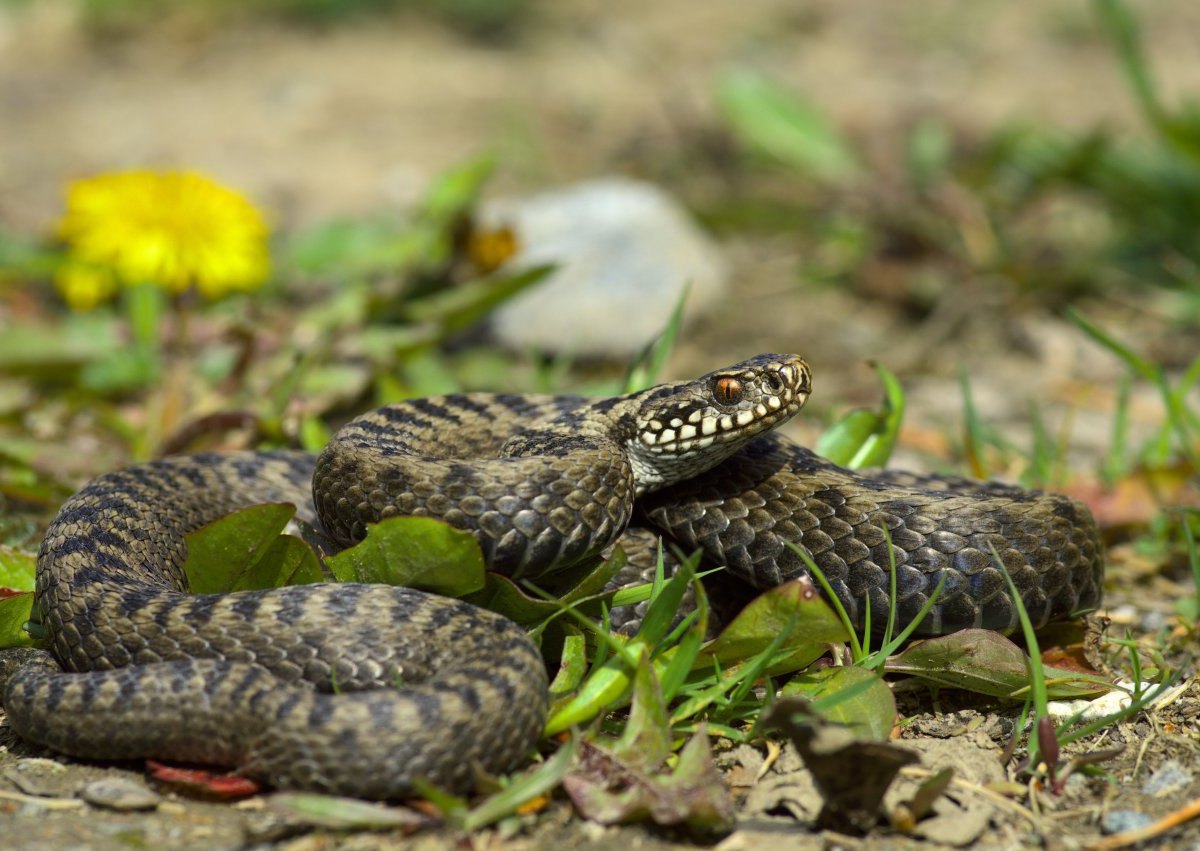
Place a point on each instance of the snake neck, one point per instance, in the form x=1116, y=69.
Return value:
x=672, y=432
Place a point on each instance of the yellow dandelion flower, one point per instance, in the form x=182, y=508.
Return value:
x=84, y=286
x=172, y=229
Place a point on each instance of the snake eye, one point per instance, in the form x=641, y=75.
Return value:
x=728, y=391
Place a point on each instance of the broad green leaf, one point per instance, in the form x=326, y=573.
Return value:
x=286, y=561
x=414, y=552
x=501, y=594
x=778, y=122
x=865, y=438
x=17, y=569
x=56, y=352
x=222, y=554
x=869, y=708
x=14, y=612
x=795, y=606
x=986, y=662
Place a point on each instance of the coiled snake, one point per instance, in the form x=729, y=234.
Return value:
x=364, y=690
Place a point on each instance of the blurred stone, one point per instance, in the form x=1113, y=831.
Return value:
x=43, y=778
x=1170, y=777
x=624, y=251
x=120, y=793
x=1120, y=821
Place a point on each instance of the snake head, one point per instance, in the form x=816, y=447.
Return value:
x=687, y=428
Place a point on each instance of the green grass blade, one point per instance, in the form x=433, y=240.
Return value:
x=1116, y=462
x=1037, y=674
x=541, y=781
x=646, y=368
x=856, y=649
x=774, y=120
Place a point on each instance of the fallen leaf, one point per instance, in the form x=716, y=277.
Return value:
x=201, y=783
x=851, y=774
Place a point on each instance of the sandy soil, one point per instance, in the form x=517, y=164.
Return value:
x=355, y=120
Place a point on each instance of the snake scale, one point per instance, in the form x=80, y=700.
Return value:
x=369, y=690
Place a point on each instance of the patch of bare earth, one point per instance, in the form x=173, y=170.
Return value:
x=315, y=125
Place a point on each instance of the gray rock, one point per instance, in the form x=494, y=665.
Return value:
x=1170, y=777
x=43, y=778
x=120, y=793
x=1120, y=821
x=624, y=251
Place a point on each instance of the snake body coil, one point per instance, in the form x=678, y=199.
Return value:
x=367, y=690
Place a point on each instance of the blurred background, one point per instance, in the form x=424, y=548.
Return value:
x=996, y=202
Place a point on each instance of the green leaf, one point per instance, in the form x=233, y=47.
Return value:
x=14, y=612
x=604, y=688
x=851, y=696
x=17, y=568
x=224, y=555
x=347, y=249
x=572, y=665
x=501, y=594
x=523, y=788
x=286, y=561
x=865, y=438
x=665, y=601
x=463, y=306
x=985, y=662
x=334, y=813
x=776, y=121
x=646, y=740
x=796, y=607
x=57, y=352
x=648, y=365
x=456, y=190
x=415, y=552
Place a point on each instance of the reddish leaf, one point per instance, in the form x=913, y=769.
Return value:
x=607, y=790
x=200, y=782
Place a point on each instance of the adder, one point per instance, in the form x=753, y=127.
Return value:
x=370, y=690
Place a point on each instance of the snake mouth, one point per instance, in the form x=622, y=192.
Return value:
x=702, y=428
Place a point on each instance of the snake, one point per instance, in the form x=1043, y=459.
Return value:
x=381, y=692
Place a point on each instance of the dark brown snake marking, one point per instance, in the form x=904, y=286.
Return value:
x=363, y=690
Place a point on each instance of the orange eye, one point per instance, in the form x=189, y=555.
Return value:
x=728, y=391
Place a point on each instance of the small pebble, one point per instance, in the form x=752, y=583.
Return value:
x=42, y=778
x=623, y=253
x=1107, y=704
x=1170, y=777
x=1120, y=821
x=1153, y=621
x=117, y=793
